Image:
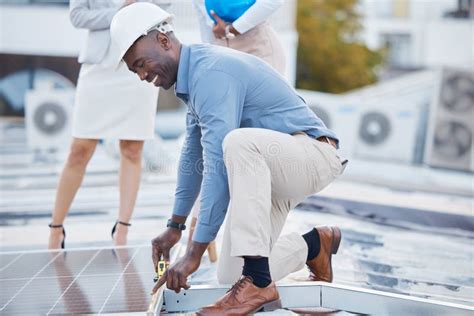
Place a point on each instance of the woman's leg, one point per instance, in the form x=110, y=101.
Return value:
x=130, y=172
x=69, y=182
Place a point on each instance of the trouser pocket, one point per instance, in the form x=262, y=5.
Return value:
x=327, y=164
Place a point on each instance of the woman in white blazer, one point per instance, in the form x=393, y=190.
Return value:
x=110, y=104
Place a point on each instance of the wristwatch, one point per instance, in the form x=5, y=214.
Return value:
x=175, y=225
x=228, y=33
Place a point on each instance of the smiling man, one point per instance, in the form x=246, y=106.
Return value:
x=251, y=140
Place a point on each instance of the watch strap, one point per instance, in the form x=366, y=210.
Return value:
x=176, y=225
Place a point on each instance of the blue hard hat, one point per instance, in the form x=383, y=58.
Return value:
x=228, y=10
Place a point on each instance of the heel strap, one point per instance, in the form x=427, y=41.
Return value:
x=124, y=224
x=51, y=225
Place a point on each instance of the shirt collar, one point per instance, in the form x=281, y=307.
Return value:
x=181, y=88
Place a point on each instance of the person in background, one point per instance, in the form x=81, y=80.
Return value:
x=250, y=33
x=109, y=104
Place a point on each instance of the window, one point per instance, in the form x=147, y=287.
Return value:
x=399, y=49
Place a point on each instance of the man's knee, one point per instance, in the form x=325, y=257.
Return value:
x=234, y=142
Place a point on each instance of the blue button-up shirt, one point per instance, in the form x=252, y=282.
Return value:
x=224, y=90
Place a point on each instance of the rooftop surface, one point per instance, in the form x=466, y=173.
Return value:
x=397, y=238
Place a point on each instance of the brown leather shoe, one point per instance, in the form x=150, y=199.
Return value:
x=244, y=298
x=320, y=268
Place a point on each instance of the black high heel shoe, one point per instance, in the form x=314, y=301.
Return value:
x=64, y=232
x=115, y=226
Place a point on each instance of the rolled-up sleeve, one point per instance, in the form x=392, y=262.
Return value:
x=260, y=11
x=189, y=169
x=218, y=103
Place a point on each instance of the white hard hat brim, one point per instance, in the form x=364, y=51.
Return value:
x=118, y=59
x=132, y=22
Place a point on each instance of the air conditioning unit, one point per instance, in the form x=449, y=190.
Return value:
x=339, y=114
x=48, y=118
x=390, y=132
x=451, y=131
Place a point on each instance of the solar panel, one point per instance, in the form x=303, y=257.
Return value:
x=118, y=280
x=87, y=281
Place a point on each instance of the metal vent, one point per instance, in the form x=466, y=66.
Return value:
x=50, y=118
x=457, y=94
x=374, y=128
x=452, y=139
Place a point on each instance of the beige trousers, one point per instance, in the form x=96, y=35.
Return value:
x=261, y=41
x=269, y=174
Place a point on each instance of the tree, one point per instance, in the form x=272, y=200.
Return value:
x=330, y=56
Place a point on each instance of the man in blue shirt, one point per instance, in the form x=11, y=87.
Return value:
x=251, y=140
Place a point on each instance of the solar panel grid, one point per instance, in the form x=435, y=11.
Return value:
x=8, y=259
x=80, y=282
x=9, y=286
x=25, y=267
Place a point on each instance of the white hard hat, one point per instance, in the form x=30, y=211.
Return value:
x=134, y=21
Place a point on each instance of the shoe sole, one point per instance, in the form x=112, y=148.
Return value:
x=336, y=241
x=267, y=307
x=270, y=306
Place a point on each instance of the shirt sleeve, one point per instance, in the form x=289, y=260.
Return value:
x=256, y=14
x=205, y=22
x=189, y=169
x=164, y=4
x=218, y=102
x=82, y=16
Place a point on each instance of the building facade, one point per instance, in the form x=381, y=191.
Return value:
x=421, y=33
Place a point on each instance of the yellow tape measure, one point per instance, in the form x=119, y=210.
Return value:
x=160, y=269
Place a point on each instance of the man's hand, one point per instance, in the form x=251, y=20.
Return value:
x=162, y=245
x=176, y=276
x=219, y=26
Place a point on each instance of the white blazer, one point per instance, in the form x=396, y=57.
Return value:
x=96, y=16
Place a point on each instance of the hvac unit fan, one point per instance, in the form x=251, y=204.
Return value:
x=339, y=115
x=374, y=128
x=389, y=132
x=451, y=131
x=48, y=118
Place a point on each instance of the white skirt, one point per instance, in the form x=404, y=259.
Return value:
x=113, y=104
